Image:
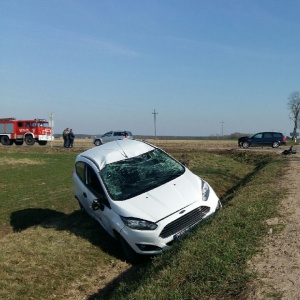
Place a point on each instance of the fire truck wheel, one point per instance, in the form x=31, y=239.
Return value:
x=29, y=140
x=19, y=143
x=5, y=140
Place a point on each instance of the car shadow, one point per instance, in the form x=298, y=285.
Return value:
x=26, y=218
x=78, y=223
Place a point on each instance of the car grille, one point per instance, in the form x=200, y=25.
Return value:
x=188, y=220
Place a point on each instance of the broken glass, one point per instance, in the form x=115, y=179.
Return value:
x=134, y=176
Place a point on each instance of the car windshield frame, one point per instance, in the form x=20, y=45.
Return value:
x=134, y=176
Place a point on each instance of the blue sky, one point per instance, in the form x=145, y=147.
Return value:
x=100, y=65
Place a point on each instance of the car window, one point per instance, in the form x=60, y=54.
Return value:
x=134, y=176
x=118, y=133
x=79, y=167
x=128, y=133
x=89, y=177
x=108, y=133
x=93, y=182
x=257, y=136
x=278, y=135
x=268, y=135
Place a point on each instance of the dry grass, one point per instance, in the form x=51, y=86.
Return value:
x=57, y=252
x=84, y=144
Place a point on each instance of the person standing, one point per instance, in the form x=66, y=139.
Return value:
x=71, y=138
x=66, y=137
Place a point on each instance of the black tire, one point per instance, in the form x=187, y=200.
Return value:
x=276, y=144
x=6, y=141
x=245, y=145
x=130, y=255
x=97, y=143
x=19, y=143
x=42, y=143
x=29, y=140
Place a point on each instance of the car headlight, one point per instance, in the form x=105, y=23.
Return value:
x=138, y=224
x=205, y=190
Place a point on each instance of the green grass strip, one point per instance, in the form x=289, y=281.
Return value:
x=212, y=262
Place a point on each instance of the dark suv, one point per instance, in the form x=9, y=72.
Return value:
x=112, y=136
x=274, y=139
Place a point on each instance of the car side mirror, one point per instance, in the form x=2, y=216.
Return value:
x=96, y=204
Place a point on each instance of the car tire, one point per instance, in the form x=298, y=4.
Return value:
x=245, y=145
x=130, y=255
x=97, y=143
x=275, y=144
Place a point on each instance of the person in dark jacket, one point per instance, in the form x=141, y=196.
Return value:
x=66, y=137
x=71, y=138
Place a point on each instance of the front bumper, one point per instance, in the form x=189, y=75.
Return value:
x=46, y=138
x=169, y=229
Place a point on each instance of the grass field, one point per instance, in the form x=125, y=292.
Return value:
x=52, y=250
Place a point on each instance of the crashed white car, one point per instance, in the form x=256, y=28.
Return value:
x=141, y=195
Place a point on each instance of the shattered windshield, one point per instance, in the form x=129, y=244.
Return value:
x=134, y=176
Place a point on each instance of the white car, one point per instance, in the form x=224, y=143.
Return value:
x=141, y=195
x=112, y=136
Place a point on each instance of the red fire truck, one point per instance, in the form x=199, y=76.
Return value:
x=30, y=131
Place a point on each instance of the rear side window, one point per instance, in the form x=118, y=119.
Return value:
x=278, y=135
x=268, y=135
x=118, y=133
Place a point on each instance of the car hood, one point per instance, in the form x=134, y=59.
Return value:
x=244, y=137
x=164, y=200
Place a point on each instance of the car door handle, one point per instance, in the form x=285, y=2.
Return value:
x=84, y=195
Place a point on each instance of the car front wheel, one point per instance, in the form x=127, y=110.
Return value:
x=246, y=145
x=130, y=255
x=97, y=143
x=275, y=145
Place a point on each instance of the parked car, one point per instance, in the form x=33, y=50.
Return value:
x=273, y=139
x=141, y=195
x=112, y=136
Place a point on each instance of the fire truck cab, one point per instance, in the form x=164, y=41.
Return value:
x=30, y=131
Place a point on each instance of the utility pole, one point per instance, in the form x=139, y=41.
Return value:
x=154, y=113
x=51, y=117
x=222, y=127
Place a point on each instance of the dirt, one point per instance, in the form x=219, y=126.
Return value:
x=278, y=265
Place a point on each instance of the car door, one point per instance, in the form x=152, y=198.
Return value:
x=268, y=138
x=90, y=190
x=107, y=137
x=257, y=139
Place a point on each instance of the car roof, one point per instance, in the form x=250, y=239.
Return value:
x=115, y=151
x=267, y=132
